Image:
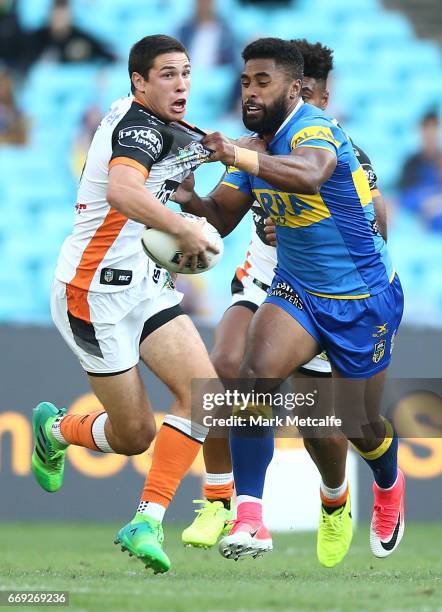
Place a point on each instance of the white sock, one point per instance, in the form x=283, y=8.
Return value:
x=151, y=509
x=219, y=479
x=241, y=499
x=186, y=426
x=333, y=494
x=56, y=432
x=98, y=434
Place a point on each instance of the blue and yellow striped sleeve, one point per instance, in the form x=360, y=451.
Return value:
x=237, y=179
x=317, y=136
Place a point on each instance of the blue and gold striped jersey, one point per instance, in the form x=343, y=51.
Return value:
x=327, y=241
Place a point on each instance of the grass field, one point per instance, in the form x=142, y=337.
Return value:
x=82, y=560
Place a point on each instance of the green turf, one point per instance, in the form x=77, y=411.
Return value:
x=82, y=559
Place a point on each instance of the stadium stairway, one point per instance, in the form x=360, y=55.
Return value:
x=425, y=15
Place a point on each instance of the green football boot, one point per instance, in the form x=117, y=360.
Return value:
x=49, y=455
x=143, y=538
x=210, y=523
x=334, y=534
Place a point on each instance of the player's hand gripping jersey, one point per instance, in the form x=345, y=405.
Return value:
x=335, y=249
x=103, y=253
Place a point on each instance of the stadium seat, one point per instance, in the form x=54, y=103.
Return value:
x=210, y=97
x=33, y=14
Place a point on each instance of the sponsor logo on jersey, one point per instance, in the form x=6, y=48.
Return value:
x=283, y=290
x=111, y=276
x=379, y=350
x=380, y=330
x=79, y=207
x=140, y=137
x=314, y=133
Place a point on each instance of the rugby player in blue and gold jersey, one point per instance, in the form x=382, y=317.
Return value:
x=334, y=287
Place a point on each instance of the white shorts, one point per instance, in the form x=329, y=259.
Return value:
x=249, y=290
x=109, y=343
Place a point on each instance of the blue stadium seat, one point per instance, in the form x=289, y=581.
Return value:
x=210, y=96
x=33, y=14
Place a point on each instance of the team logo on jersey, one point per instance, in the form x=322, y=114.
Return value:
x=380, y=330
x=195, y=150
x=140, y=137
x=379, y=351
x=167, y=190
x=168, y=281
x=283, y=290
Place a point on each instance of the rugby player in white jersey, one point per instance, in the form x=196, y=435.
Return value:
x=249, y=289
x=113, y=305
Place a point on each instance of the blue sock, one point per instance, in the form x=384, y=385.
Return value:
x=252, y=450
x=384, y=465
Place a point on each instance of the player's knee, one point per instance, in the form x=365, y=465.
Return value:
x=257, y=367
x=226, y=365
x=326, y=442
x=137, y=438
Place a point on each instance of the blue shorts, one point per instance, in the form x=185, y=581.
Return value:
x=358, y=335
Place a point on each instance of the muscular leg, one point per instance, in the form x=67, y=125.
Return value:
x=226, y=356
x=358, y=405
x=358, y=401
x=329, y=449
x=374, y=439
x=177, y=355
x=276, y=345
x=130, y=427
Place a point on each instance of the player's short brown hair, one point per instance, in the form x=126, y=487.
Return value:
x=143, y=53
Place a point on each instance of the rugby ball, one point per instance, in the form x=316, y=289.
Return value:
x=163, y=248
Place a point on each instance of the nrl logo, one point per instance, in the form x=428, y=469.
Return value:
x=108, y=276
x=379, y=350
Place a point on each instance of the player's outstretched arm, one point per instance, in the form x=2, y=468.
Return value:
x=303, y=171
x=126, y=193
x=224, y=207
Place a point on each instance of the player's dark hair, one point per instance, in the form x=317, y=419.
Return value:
x=431, y=116
x=283, y=52
x=143, y=53
x=318, y=59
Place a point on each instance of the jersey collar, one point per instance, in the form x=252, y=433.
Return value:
x=292, y=114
